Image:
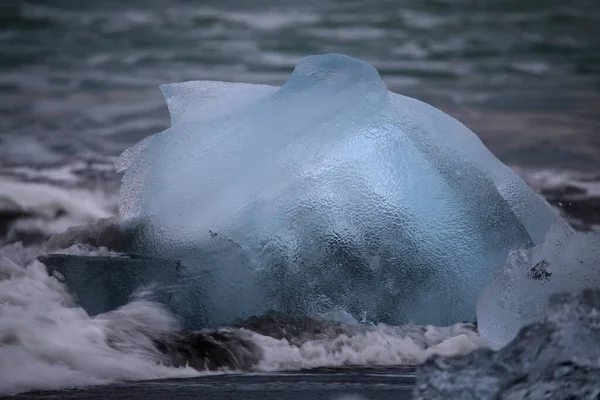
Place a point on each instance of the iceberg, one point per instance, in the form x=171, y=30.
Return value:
x=328, y=194
x=567, y=261
x=556, y=356
x=104, y=283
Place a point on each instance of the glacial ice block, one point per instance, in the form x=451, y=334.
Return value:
x=555, y=357
x=567, y=261
x=329, y=193
x=101, y=284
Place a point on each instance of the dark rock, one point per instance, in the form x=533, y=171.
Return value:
x=209, y=350
x=540, y=271
x=232, y=348
x=557, y=357
x=297, y=330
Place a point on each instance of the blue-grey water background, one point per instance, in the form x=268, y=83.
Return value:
x=79, y=81
x=81, y=77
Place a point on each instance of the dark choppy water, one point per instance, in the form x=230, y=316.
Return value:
x=78, y=81
x=81, y=77
x=356, y=384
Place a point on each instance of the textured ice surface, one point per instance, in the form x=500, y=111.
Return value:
x=101, y=284
x=556, y=357
x=518, y=295
x=329, y=193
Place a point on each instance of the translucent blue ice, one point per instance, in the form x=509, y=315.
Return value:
x=329, y=193
x=567, y=261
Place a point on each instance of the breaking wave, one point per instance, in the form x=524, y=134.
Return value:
x=48, y=342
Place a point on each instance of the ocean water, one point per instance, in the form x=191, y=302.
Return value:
x=339, y=384
x=79, y=83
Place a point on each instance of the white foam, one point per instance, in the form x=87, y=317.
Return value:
x=546, y=178
x=48, y=200
x=51, y=209
x=383, y=345
x=64, y=174
x=48, y=343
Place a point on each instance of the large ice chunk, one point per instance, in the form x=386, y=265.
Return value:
x=554, y=357
x=567, y=261
x=104, y=283
x=329, y=193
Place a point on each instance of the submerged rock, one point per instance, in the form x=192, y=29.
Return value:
x=209, y=350
x=297, y=330
x=557, y=357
